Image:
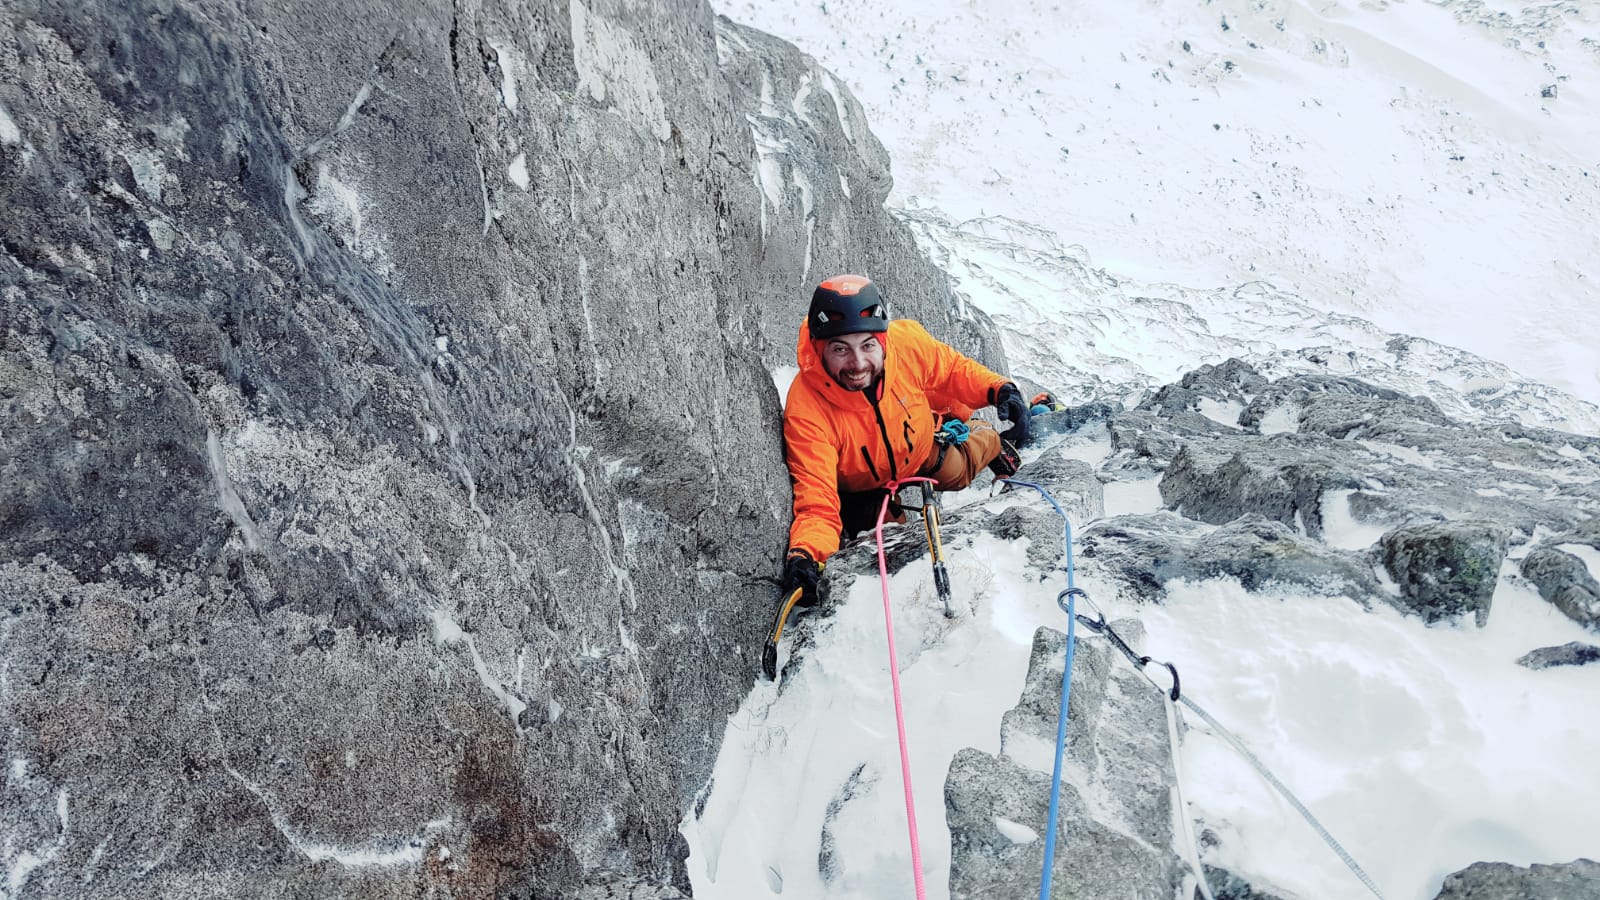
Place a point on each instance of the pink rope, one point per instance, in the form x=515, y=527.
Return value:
x=894, y=675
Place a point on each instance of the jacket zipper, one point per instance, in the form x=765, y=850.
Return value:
x=868, y=457
x=872, y=397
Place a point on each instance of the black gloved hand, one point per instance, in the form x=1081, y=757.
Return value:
x=801, y=571
x=1009, y=404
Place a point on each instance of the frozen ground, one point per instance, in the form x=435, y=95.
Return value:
x=1397, y=161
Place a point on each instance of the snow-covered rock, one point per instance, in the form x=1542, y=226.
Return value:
x=1576, y=880
x=1115, y=819
x=1445, y=569
x=1572, y=653
x=1565, y=579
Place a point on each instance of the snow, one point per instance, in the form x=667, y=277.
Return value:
x=1225, y=414
x=1131, y=191
x=1015, y=833
x=1341, y=529
x=512, y=68
x=782, y=377
x=787, y=755
x=9, y=132
x=448, y=632
x=1589, y=555
x=1135, y=498
x=518, y=171
x=1281, y=420
x=1394, y=161
x=1421, y=749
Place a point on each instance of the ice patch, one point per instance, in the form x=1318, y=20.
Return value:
x=1133, y=498
x=23, y=866
x=150, y=174
x=448, y=632
x=337, y=201
x=518, y=171
x=769, y=107
x=1226, y=414
x=511, y=69
x=782, y=378
x=1405, y=455
x=801, y=102
x=839, y=106
x=228, y=498
x=1281, y=420
x=1589, y=555
x=769, y=167
x=1015, y=832
x=1341, y=529
x=9, y=132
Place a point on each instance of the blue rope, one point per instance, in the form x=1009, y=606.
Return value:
x=1070, y=607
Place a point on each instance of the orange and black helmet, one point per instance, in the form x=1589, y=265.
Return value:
x=846, y=304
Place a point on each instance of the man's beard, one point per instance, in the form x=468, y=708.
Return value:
x=860, y=382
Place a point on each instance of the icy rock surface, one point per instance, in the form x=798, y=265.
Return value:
x=1444, y=570
x=1573, y=653
x=1564, y=578
x=1577, y=880
x=1370, y=487
x=392, y=477
x=1374, y=496
x=1116, y=826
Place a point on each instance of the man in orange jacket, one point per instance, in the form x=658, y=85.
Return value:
x=864, y=411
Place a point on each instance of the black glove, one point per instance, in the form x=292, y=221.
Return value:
x=1009, y=404
x=801, y=571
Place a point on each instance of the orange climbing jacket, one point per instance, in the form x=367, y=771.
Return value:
x=849, y=441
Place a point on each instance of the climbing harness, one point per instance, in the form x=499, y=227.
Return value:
x=1069, y=607
x=894, y=677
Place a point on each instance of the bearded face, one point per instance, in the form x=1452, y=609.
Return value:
x=853, y=361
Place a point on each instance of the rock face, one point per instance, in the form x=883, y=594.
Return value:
x=1564, y=580
x=1576, y=880
x=1445, y=570
x=1320, y=482
x=1572, y=653
x=1115, y=802
x=393, y=479
x=1145, y=552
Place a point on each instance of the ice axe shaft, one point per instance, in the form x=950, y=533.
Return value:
x=769, y=652
x=930, y=526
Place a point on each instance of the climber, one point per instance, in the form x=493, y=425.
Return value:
x=877, y=401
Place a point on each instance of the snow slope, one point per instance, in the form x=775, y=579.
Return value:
x=1398, y=161
x=1422, y=749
